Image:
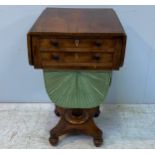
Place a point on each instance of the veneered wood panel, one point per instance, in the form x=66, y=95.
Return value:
x=61, y=20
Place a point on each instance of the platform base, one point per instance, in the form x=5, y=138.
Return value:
x=76, y=121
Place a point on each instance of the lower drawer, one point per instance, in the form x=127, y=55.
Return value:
x=76, y=57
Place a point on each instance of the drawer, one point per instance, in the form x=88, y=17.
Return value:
x=108, y=45
x=76, y=57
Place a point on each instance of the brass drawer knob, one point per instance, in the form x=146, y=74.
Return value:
x=55, y=56
x=96, y=56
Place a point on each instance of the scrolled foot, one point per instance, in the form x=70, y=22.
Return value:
x=53, y=140
x=98, y=142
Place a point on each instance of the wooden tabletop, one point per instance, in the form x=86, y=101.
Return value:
x=78, y=21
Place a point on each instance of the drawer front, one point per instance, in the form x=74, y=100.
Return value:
x=108, y=45
x=77, y=57
x=50, y=59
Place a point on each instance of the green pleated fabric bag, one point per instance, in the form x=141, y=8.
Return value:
x=77, y=89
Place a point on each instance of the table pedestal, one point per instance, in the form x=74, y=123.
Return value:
x=76, y=121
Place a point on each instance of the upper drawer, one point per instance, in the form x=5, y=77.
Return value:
x=65, y=44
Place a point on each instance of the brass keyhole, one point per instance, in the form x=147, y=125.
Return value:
x=77, y=42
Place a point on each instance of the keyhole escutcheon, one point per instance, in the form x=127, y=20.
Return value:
x=77, y=41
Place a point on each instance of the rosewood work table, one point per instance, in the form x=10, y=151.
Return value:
x=77, y=49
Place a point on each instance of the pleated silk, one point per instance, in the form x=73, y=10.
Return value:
x=77, y=89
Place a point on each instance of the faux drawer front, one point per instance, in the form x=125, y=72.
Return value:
x=107, y=45
x=76, y=58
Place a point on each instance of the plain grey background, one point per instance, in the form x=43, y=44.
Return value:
x=133, y=83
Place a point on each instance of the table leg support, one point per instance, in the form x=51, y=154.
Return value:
x=76, y=121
